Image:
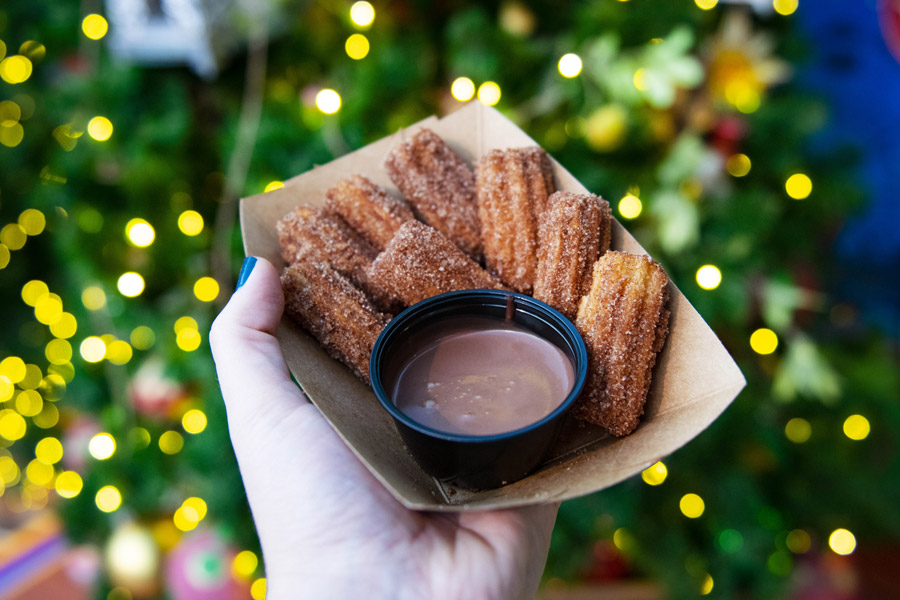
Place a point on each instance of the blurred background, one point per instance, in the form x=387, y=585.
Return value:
x=752, y=146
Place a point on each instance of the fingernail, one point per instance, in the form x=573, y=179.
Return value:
x=246, y=268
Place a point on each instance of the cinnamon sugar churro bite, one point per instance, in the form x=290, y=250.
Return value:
x=334, y=311
x=574, y=232
x=420, y=262
x=440, y=186
x=624, y=322
x=513, y=188
x=368, y=209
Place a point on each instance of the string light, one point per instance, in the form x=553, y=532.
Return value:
x=13, y=236
x=93, y=298
x=29, y=403
x=108, y=498
x=655, y=474
x=763, y=341
x=194, y=421
x=92, y=349
x=49, y=450
x=842, y=541
x=244, y=564
x=140, y=233
x=856, y=427
x=362, y=14
x=706, y=4
x=171, y=442
x=64, y=327
x=707, y=585
x=328, y=101
x=463, y=89
x=569, y=65
x=13, y=368
x=58, y=352
x=190, y=222
x=12, y=425
x=258, y=589
x=738, y=165
x=49, y=309
x=9, y=471
x=185, y=323
x=785, y=7
x=118, y=352
x=357, y=46
x=198, y=505
x=130, y=284
x=48, y=417
x=489, y=93
x=32, y=221
x=798, y=186
x=206, y=289
x=691, y=505
x=15, y=69
x=142, y=337
x=100, y=128
x=39, y=473
x=6, y=388
x=102, y=446
x=709, y=277
x=630, y=206
x=798, y=430
x=94, y=26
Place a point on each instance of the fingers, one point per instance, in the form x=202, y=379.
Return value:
x=252, y=373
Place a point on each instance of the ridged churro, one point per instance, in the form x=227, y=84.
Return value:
x=334, y=311
x=513, y=187
x=575, y=230
x=624, y=322
x=440, y=186
x=420, y=262
x=368, y=209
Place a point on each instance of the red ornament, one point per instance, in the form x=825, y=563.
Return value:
x=889, y=18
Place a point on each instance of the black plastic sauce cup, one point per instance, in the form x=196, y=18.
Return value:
x=476, y=461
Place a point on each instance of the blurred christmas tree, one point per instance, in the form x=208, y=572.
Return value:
x=117, y=205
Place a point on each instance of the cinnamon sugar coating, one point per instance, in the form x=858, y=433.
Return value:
x=368, y=209
x=440, y=186
x=624, y=322
x=334, y=311
x=513, y=188
x=574, y=232
x=420, y=263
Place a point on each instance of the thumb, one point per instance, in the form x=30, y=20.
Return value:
x=252, y=373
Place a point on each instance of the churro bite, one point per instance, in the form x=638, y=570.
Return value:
x=440, y=186
x=624, y=322
x=513, y=188
x=420, y=262
x=574, y=232
x=368, y=209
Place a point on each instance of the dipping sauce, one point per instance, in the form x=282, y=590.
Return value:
x=482, y=376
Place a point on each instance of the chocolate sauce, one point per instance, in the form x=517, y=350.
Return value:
x=481, y=376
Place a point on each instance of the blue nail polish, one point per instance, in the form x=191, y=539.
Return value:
x=246, y=268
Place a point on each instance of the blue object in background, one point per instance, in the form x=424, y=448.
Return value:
x=855, y=70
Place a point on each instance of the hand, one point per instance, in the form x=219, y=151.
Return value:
x=327, y=527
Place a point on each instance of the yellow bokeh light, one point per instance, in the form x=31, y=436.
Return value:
x=11, y=135
x=190, y=222
x=4, y=255
x=764, y=341
x=142, y=337
x=49, y=450
x=198, y=505
x=489, y=93
x=273, y=185
x=93, y=297
x=65, y=326
x=785, y=7
x=102, y=446
x=185, y=323
x=706, y=586
x=13, y=368
x=692, y=505
x=640, y=80
x=328, y=101
x=171, y=442
x=357, y=46
x=188, y=339
x=9, y=471
x=33, y=377
x=362, y=14
x=194, y=421
x=856, y=427
x=738, y=165
x=12, y=425
x=13, y=236
x=94, y=26
x=58, y=351
x=29, y=403
x=108, y=498
x=258, y=589
x=130, y=284
x=623, y=540
x=92, y=349
x=798, y=541
x=206, y=289
x=6, y=388
x=244, y=564
x=630, y=206
x=463, y=89
x=100, y=128
x=68, y=484
x=15, y=69
x=32, y=221
x=842, y=541
x=39, y=473
x=48, y=418
x=569, y=65
x=49, y=309
x=798, y=186
x=185, y=518
x=119, y=352
x=706, y=4
x=655, y=474
x=798, y=430
x=709, y=277
x=139, y=233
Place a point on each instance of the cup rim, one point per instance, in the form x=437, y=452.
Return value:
x=553, y=316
